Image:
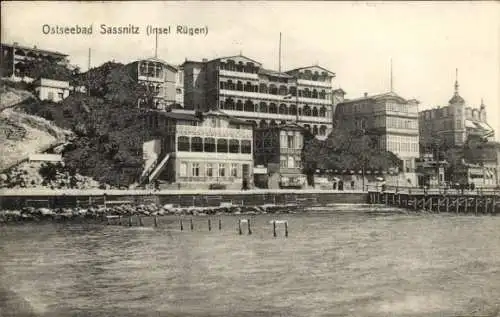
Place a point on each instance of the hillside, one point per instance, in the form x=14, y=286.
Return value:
x=108, y=126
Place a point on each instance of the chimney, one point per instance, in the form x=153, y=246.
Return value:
x=366, y=94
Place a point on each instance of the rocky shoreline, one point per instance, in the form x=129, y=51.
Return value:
x=104, y=214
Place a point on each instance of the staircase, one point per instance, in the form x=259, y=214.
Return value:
x=151, y=172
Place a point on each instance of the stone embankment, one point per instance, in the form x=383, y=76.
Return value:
x=103, y=214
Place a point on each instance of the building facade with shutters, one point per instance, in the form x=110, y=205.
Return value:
x=243, y=88
x=199, y=150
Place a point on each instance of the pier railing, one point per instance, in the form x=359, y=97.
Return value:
x=480, y=191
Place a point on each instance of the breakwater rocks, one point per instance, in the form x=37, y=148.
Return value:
x=102, y=214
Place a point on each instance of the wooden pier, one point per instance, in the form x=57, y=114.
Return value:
x=437, y=200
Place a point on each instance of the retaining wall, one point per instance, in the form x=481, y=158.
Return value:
x=56, y=199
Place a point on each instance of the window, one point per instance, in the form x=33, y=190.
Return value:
x=222, y=146
x=234, y=146
x=195, y=169
x=209, y=145
x=283, y=162
x=234, y=170
x=290, y=142
x=183, y=169
x=246, y=146
x=197, y=144
x=50, y=95
x=291, y=162
x=183, y=144
x=209, y=171
x=222, y=170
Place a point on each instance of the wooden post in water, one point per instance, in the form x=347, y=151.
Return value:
x=466, y=207
x=140, y=220
x=249, y=229
x=286, y=229
x=475, y=205
x=447, y=204
x=457, y=204
x=439, y=205
x=209, y=225
x=156, y=221
x=274, y=229
x=191, y=226
x=182, y=226
x=415, y=203
x=120, y=220
x=220, y=224
x=485, y=205
x=239, y=227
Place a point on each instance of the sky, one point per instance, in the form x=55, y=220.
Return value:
x=426, y=41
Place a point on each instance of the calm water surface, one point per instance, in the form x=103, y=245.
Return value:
x=340, y=262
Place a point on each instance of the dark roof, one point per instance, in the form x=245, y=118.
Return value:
x=287, y=126
x=178, y=115
x=220, y=113
x=236, y=56
x=386, y=95
x=274, y=73
x=34, y=49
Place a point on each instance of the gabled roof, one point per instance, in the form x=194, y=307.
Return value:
x=382, y=96
x=238, y=56
x=315, y=67
x=159, y=60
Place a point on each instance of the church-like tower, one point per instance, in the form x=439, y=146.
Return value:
x=457, y=108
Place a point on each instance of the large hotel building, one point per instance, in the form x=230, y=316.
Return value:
x=391, y=120
x=242, y=88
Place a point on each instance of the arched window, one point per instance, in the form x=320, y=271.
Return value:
x=307, y=127
x=249, y=107
x=272, y=123
x=197, y=144
x=315, y=93
x=293, y=110
x=322, y=112
x=229, y=104
x=283, y=122
x=248, y=86
x=283, y=90
x=209, y=145
x=240, y=67
x=231, y=65
x=222, y=146
x=246, y=146
x=291, y=162
x=315, y=76
x=263, y=107
x=273, y=90
x=283, y=109
x=307, y=111
x=183, y=144
x=307, y=93
x=322, y=94
x=315, y=112
x=293, y=91
x=315, y=130
x=263, y=88
x=239, y=105
x=322, y=130
x=262, y=124
x=234, y=146
x=239, y=86
x=273, y=108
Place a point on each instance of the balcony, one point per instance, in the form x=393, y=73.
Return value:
x=151, y=78
x=214, y=156
x=278, y=98
x=233, y=74
x=277, y=117
x=313, y=83
x=213, y=132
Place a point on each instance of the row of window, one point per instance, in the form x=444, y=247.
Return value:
x=213, y=145
x=291, y=141
x=396, y=143
x=195, y=169
x=273, y=90
x=401, y=123
x=263, y=107
x=150, y=70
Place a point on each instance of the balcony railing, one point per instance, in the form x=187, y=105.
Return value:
x=277, y=116
x=214, y=132
x=322, y=84
x=279, y=98
x=230, y=73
